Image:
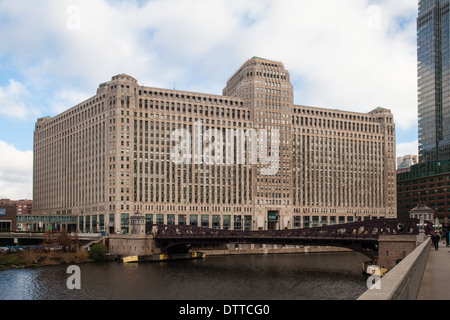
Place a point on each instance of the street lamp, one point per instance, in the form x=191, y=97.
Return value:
x=437, y=228
x=421, y=226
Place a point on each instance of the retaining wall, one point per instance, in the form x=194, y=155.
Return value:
x=403, y=281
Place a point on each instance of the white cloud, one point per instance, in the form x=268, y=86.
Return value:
x=16, y=172
x=347, y=54
x=340, y=61
x=407, y=148
x=331, y=48
x=15, y=101
x=65, y=99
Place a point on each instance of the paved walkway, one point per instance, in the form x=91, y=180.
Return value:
x=436, y=278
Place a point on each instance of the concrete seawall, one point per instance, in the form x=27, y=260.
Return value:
x=230, y=250
x=249, y=249
x=403, y=281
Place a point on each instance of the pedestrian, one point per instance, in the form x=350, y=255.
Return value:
x=435, y=238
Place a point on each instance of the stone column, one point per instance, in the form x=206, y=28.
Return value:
x=421, y=235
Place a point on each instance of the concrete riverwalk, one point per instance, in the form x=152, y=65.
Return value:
x=435, y=283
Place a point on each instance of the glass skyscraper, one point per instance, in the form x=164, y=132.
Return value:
x=433, y=80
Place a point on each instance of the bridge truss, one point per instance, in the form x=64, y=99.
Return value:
x=358, y=236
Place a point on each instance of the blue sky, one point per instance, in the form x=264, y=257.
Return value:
x=343, y=54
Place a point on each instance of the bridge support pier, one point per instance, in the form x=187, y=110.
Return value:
x=393, y=248
x=130, y=244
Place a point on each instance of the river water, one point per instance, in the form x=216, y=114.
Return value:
x=335, y=276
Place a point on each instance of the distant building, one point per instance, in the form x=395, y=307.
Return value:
x=420, y=211
x=24, y=214
x=8, y=216
x=407, y=161
x=428, y=184
x=24, y=206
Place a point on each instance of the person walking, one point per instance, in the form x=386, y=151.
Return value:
x=435, y=238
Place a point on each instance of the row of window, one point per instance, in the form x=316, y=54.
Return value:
x=189, y=98
x=334, y=115
x=226, y=222
x=195, y=109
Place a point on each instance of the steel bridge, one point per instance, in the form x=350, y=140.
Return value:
x=358, y=236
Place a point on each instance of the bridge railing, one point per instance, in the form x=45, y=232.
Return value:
x=357, y=230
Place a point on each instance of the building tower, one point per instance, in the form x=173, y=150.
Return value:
x=425, y=182
x=433, y=80
x=265, y=88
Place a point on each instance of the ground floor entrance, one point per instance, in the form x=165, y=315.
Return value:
x=272, y=218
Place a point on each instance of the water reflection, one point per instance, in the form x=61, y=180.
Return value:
x=265, y=277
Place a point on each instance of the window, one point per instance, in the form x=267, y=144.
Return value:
x=5, y=226
x=181, y=219
x=297, y=222
x=226, y=222
x=205, y=220
x=237, y=222
x=193, y=220
x=216, y=221
x=159, y=219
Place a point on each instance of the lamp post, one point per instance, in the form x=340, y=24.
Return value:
x=421, y=227
x=421, y=235
x=437, y=226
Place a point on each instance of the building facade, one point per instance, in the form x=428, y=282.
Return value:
x=24, y=206
x=24, y=214
x=247, y=159
x=433, y=54
x=8, y=216
x=404, y=162
x=428, y=184
x=422, y=212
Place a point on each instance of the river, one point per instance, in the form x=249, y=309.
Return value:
x=335, y=276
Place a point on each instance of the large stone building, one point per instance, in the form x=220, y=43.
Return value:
x=246, y=159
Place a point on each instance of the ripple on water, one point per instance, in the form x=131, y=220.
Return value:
x=282, y=277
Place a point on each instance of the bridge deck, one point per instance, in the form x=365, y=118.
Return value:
x=435, y=283
x=359, y=236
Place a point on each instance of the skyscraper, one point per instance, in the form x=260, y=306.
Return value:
x=428, y=181
x=434, y=80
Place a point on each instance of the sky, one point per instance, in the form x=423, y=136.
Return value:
x=353, y=55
